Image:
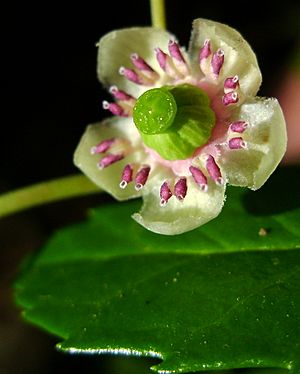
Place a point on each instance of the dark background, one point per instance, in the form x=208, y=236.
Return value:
x=49, y=89
x=49, y=92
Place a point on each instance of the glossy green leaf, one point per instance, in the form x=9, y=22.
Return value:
x=219, y=297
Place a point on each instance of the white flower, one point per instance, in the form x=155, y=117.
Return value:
x=185, y=124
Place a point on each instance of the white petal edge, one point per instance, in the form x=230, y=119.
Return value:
x=116, y=47
x=109, y=178
x=239, y=59
x=178, y=217
x=267, y=140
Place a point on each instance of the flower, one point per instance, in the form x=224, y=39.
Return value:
x=185, y=124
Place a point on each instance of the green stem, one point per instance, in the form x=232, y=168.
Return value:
x=46, y=192
x=158, y=15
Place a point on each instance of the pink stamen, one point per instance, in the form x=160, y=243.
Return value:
x=141, y=177
x=231, y=82
x=102, y=147
x=130, y=75
x=178, y=60
x=180, y=189
x=230, y=98
x=214, y=170
x=175, y=51
x=165, y=194
x=237, y=143
x=205, y=51
x=140, y=63
x=217, y=62
x=238, y=126
x=199, y=178
x=114, y=108
x=126, y=176
x=109, y=160
x=145, y=69
x=173, y=68
x=161, y=58
x=119, y=94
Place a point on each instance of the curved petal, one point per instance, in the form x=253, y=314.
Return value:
x=239, y=59
x=266, y=138
x=116, y=47
x=177, y=217
x=109, y=178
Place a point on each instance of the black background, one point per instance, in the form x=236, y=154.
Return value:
x=49, y=92
x=49, y=89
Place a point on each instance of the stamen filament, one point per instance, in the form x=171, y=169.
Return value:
x=141, y=177
x=180, y=189
x=126, y=176
x=165, y=194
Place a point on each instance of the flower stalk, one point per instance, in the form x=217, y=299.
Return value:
x=46, y=192
x=158, y=15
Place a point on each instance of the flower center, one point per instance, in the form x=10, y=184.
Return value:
x=174, y=120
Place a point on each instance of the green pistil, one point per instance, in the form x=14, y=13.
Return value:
x=155, y=111
x=174, y=120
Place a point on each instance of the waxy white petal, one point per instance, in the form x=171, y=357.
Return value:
x=239, y=59
x=266, y=144
x=109, y=178
x=176, y=217
x=116, y=47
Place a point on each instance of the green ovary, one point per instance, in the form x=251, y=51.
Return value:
x=174, y=120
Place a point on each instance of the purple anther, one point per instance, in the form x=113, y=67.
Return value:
x=237, y=143
x=126, y=176
x=109, y=160
x=114, y=108
x=175, y=51
x=238, y=126
x=230, y=98
x=102, y=147
x=205, y=51
x=214, y=170
x=140, y=63
x=161, y=58
x=217, y=62
x=165, y=194
x=119, y=94
x=130, y=75
x=199, y=178
x=141, y=177
x=180, y=189
x=231, y=82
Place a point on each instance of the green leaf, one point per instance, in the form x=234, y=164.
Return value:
x=219, y=297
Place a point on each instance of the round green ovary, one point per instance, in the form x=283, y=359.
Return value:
x=174, y=121
x=155, y=111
